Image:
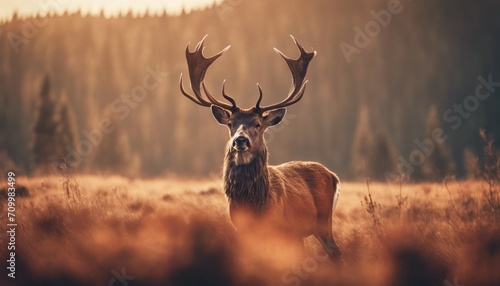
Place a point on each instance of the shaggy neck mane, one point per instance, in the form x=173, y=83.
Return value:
x=247, y=185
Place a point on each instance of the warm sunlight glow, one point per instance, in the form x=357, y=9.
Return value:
x=110, y=8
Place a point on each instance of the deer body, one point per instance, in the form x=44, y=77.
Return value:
x=296, y=198
x=297, y=195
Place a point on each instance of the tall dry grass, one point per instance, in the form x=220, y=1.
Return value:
x=83, y=230
x=90, y=230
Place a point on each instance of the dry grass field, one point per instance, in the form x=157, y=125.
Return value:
x=90, y=230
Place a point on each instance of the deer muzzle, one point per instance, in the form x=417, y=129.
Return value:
x=241, y=143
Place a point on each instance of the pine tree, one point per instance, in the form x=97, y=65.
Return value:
x=361, y=147
x=470, y=163
x=66, y=131
x=113, y=155
x=439, y=163
x=382, y=157
x=7, y=164
x=44, y=150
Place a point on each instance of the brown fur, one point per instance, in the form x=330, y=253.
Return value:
x=295, y=197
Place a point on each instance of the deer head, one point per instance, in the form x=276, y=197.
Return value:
x=246, y=126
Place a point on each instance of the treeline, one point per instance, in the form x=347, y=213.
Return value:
x=367, y=110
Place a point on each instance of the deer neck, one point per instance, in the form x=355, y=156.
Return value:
x=247, y=185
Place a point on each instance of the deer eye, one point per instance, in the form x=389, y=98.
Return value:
x=257, y=125
x=229, y=125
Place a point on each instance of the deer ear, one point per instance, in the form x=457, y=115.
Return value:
x=274, y=117
x=220, y=114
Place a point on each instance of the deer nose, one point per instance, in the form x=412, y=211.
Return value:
x=241, y=142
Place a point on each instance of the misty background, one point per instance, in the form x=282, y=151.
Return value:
x=358, y=115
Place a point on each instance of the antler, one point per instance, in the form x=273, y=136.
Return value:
x=298, y=68
x=198, y=65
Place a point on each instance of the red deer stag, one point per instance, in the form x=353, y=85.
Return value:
x=298, y=197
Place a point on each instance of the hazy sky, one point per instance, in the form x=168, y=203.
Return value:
x=111, y=7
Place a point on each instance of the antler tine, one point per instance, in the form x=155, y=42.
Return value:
x=227, y=97
x=298, y=68
x=195, y=100
x=215, y=101
x=198, y=65
x=260, y=97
